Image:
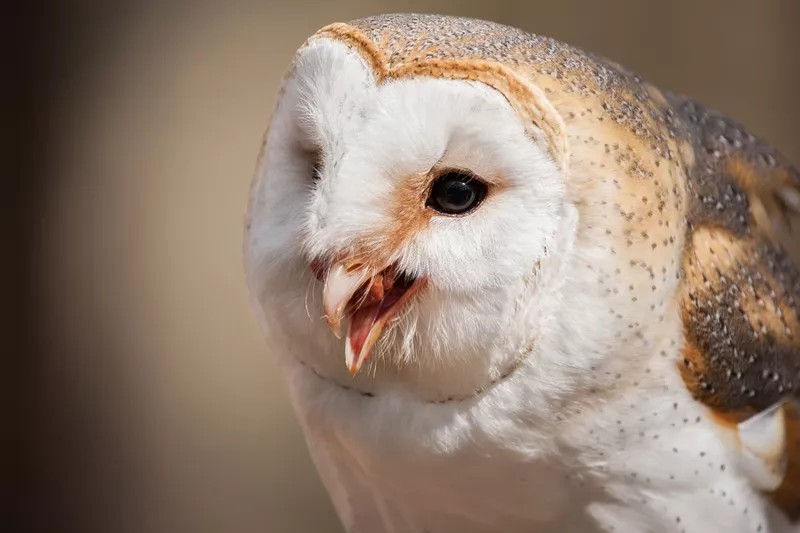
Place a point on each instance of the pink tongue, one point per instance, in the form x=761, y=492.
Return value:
x=361, y=323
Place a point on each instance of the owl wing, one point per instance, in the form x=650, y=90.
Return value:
x=740, y=296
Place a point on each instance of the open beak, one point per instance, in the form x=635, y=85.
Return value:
x=341, y=284
x=369, y=300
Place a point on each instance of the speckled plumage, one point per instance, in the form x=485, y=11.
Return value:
x=692, y=209
x=722, y=164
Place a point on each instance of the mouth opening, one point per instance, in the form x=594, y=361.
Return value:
x=372, y=308
x=384, y=291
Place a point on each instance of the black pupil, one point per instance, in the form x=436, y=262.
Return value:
x=456, y=193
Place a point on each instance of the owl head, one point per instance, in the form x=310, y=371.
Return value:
x=410, y=212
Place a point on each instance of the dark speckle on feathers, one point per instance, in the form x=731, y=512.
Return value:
x=741, y=293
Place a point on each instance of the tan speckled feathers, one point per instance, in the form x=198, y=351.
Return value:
x=741, y=290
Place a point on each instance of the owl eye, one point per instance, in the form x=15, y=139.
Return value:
x=456, y=193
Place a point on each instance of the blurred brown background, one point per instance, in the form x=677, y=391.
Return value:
x=152, y=404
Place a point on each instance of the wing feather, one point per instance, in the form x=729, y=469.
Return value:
x=740, y=298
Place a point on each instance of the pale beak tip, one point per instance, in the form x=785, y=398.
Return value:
x=335, y=325
x=351, y=360
x=340, y=285
x=354, y=369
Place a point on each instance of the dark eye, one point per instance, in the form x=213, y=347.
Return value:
x=456, y=193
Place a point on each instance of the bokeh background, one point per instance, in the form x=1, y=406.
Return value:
x=153, y=405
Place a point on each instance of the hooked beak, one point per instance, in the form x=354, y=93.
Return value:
x=370, y=299
x=341, y=284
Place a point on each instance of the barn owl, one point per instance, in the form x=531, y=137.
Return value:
x=514, y=287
